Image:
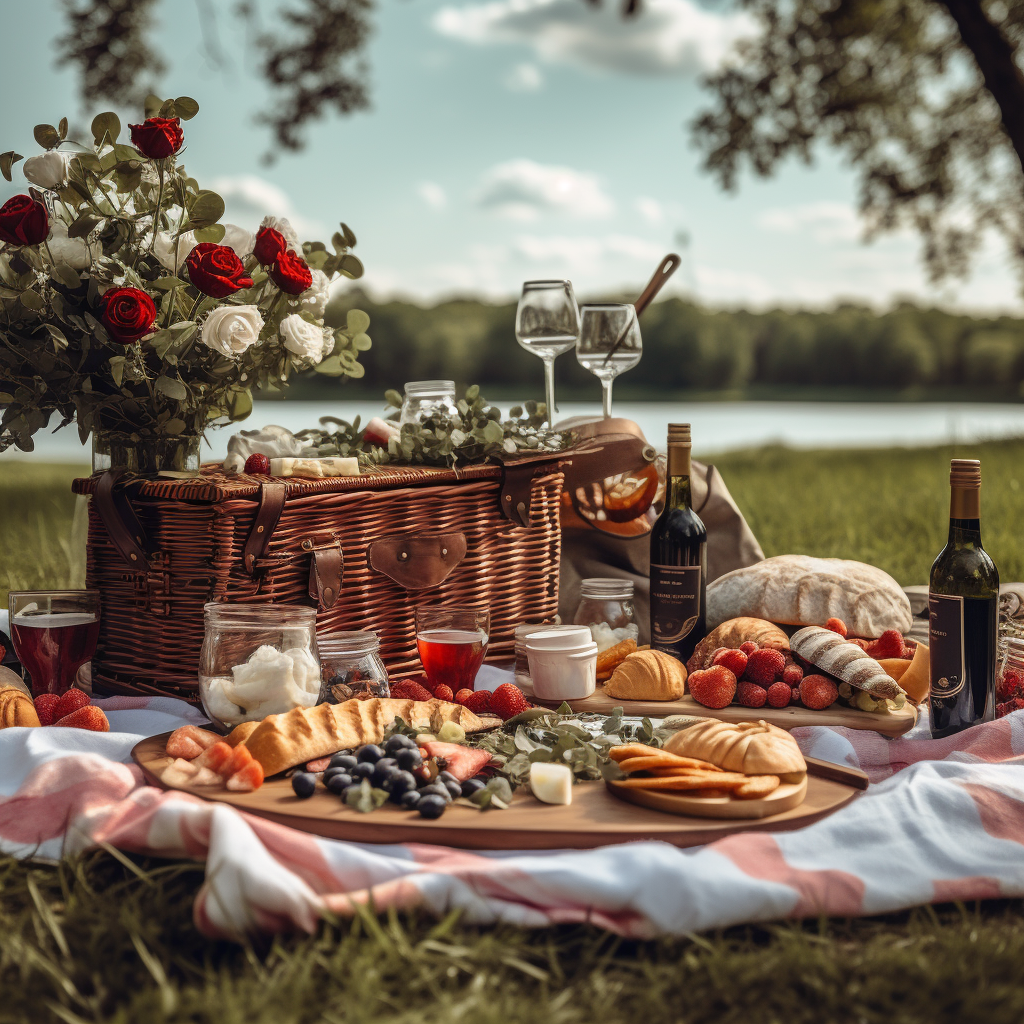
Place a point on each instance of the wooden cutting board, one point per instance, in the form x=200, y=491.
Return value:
x=785, y=798
x=894, y=724
x=594, y=818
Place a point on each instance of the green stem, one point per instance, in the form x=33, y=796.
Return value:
x=172, y=297
x=159, y=201
x=195, y=306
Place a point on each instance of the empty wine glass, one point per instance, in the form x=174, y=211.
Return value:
x=547, y=322
x=608, y=344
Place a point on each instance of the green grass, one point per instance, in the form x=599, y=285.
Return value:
x=102, y=941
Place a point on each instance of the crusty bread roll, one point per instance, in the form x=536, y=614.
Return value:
x=734, y=632
x=846, y=661
x=754, y=748
x=802, y=591
x=648, y=675
x=302, y=734
x=16, y=708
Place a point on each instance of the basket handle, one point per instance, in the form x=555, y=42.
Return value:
x=605, y=455
x=418, y=561
x=119, y=519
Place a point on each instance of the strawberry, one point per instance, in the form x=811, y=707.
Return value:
x=818, y=692
x=780, y=694
x=1010, y=685
x=507, y=701
x=46, y=706
x=70, y=701
x=888, y=645
x=734, y=660
x=748, y=647
x=837, y=626
x=1013, y=704
x=444, y=692
x=750, y=695
x=764, y=665
x=460, y=697
x=479, y=702
x=791, y=675
x=410, y=690
x=713, y=687
x=86, y=717
x=257, y=464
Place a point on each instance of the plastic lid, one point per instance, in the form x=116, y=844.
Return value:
x=607, y=589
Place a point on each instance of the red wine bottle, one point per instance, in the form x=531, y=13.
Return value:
x=963, y=599
x=679, y=559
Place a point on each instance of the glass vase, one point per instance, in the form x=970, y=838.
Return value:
x=146, y=455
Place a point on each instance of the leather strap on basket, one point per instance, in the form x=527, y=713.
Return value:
x=603, y=456
x=418, y=561
x=272, y=497
x=326, y=570
x=119, y=518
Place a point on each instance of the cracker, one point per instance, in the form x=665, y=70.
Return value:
x=620, y=753
x=692, y=780
x=757, y=787
x=663, y=760
x=610, y=659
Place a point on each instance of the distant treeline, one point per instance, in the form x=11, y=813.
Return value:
x=689, y=347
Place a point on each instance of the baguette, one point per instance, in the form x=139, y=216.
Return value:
x=847, y=662
x=304, y=734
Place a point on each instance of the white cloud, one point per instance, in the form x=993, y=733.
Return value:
x=668, y=37
x=524, y=78
x=650, y=210
x=432, y=194
x=248, y=199
x=583, y=256
x=523, y=190
x=825, y=221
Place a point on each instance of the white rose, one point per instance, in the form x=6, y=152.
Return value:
x=73, y=252
x=315, y=297
x=172, y=257
x=230, y=330
x=283, y=225
x=303, y=338
x=238, y=239
x=48, y=170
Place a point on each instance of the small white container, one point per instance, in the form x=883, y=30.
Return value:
x=563, y=637
x=566, y=673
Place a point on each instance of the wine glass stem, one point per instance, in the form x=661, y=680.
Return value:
x=606, y=387
x=549, y=387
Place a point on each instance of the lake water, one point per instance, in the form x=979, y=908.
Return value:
x=717, y=426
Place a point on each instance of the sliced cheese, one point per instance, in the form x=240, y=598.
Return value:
x=895, y=667
x=315, y=468
x=551, y=783
x=916, y=680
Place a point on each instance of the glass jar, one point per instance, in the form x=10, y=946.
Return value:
x=176, y=455
x=607, y=608
x=1010, y=677
x=428, y=399
x=258, y=660
x=351, y=666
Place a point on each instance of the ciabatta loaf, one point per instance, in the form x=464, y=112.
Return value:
x=303, y=734
x=846, y=661
x=733, y=633
x=803, y=591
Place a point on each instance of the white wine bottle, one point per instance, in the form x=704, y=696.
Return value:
x=679, y=559
x=963, y=599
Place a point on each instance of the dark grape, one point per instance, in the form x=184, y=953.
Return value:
x=446, y=777
x=383, y=770
x=399, y=742
x=436, y=789
x=335, y=771
x=363, y=770
x=339, y=781
x=401, y=782
x=371, y=752
x=471, y=786
x=303, y=784
x=409, y=799
x=408, y=758
x=431, y=805
x=343, y=760
x=454, y=789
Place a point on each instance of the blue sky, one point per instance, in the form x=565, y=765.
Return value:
x=512, y=139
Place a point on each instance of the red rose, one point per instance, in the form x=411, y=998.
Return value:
x=291, y=273
x=158, y=137
x=270, y=243
x=23, y=221
x=127, y=314
x=215, y=270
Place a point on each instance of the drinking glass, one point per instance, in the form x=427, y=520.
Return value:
x=547, y=322
x=608, y=344
x=54, y=634
x=452, y=642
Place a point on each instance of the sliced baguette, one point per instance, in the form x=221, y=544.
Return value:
x=847, y=662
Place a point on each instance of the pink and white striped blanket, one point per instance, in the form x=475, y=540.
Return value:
x=943, y=820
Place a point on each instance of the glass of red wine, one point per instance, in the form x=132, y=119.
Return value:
x=452, y=641
x=54, y=634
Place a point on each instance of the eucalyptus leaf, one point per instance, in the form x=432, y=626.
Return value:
x=350, y=238
x=7, y=161
x=351, y=266
x=171, y=388
x=207, y=209
x=152, y=105
x=46, y=135
x=117, y=369
x=185, y=107
x=106, y=125
x=31, y=300
x=214, y=233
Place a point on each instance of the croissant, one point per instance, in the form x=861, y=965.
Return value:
x=648, y=675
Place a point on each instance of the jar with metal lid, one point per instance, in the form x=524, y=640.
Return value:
x=257, y=660
x=352, y=666
x=1010, y=677
x=607, y=608
x=429, y=400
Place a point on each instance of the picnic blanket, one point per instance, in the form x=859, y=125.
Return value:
x=943, y=820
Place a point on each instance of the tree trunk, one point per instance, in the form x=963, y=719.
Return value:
x=994, y=57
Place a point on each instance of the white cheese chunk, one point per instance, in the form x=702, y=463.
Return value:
x=551, y=783
x=329, y=466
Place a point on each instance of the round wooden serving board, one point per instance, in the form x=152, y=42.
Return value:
x=595, y=818
x=894, y=724
x=785, y=798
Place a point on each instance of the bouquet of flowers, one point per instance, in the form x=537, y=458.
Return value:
x=129, y=307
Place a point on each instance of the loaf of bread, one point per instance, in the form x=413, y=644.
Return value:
x=753, y=748
x=303, y=734
x=647, y=675
x=802, y=591
x=734, y=632
x=847, y=662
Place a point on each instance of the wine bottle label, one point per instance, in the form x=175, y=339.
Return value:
x=946, y=644
x=675, y=602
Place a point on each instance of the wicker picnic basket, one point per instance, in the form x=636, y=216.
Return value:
x=365, y=550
